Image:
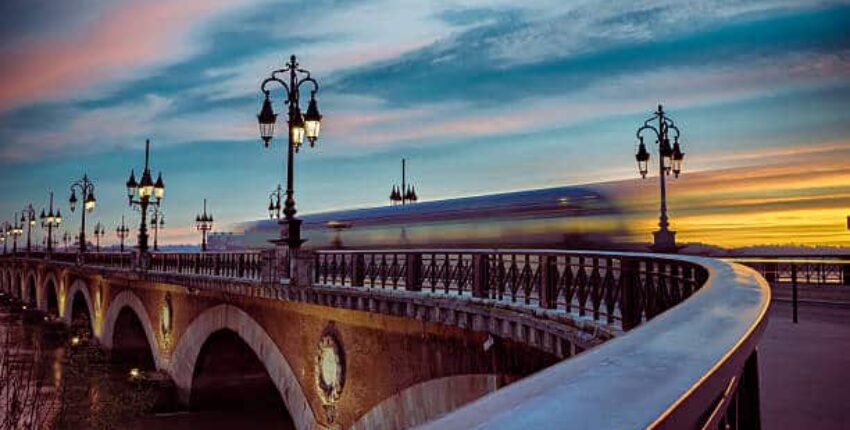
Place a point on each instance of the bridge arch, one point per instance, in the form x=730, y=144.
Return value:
x=10, y=282
x=422, y=402
x=50, y=294
x=31, y=290
x=227, y=317
x=78, y=291
x=20, y=282
x=4, y=279
x=129, y=300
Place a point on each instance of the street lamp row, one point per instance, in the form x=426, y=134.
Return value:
x=147, y=195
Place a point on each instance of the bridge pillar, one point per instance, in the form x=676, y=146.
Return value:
x=302, y=268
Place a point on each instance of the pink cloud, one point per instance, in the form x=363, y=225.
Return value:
x=118, y=43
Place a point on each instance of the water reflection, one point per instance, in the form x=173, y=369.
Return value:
x=57, y=377
x=48, y=381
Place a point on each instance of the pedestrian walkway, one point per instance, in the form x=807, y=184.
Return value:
x=805, y=368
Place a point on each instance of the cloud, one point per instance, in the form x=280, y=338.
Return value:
x=125, y=41
x=801, y=199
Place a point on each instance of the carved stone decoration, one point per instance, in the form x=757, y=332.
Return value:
x=165, y=318
x=330, y=370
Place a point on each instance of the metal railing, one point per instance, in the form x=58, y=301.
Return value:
x=692, y=363
x=802, y=270
x=238, y=264
x=693, y=366
x=619, y=290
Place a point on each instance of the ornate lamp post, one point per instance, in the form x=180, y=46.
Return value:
x=300, y=126
x=670, y=160
x=17, y=230
x=49, y=221
x=146, y=190
x=28, y=220
x=86, y=188
x=407, y=193
x=157, y=223
x=66, y=239
x=99, y=232
x=204, y=223
x=122, y=231
x=275, y=197
x=5, y=230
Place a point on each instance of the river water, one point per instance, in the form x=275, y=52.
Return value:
x=51, y=376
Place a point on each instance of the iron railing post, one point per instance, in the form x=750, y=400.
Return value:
x=630, y=308
x=480, y=275
x=749, y=412
x=413, y=277
x=548, y=282
x=794, y=290
x=845, y=269
x=358, y=270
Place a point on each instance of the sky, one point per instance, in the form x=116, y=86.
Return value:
x=481, y=96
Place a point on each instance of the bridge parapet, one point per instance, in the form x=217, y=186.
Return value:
x=620, y=290
x=673, y=338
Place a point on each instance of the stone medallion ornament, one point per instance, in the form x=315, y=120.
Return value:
x=330, y=368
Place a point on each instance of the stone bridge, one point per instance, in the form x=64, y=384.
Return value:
x=395, y=339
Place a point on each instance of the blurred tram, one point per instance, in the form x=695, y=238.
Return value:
x=562, y=217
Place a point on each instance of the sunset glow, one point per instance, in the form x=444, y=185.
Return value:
x=480, y=97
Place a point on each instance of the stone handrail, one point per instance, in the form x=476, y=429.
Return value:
x=684, y=329
x=693, y=366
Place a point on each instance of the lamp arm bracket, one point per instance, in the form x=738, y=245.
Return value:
x=647, y=127
x=310, y=80
x=276, y=80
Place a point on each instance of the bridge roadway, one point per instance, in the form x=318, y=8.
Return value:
x=393, y=339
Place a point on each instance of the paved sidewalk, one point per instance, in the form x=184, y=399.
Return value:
x=805, y=368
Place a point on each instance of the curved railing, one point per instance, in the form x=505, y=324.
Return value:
x=692, y=366
x=618, y=289
x=685, y=328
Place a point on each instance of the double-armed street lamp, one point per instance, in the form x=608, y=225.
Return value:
x=66, y=239
x=275, y=197
x=148, y=196
x=670, y=160
x=4, y=234
x=405, y=194
x=47, y=242
x=50, y=220
x=299, y=126
x=99, y=232
x=28, y=219
x=157, y=224
x=204, y=223
x=122, y=231
x=17, y=230
x=86, y=189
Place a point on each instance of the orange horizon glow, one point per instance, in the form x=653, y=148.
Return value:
x=799, y=201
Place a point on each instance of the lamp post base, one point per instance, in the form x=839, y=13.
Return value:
x=292, y=236
x=142, y=260
x=664, y=241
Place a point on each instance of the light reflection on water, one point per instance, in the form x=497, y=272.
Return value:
x=77, y=386
x=47, y=344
